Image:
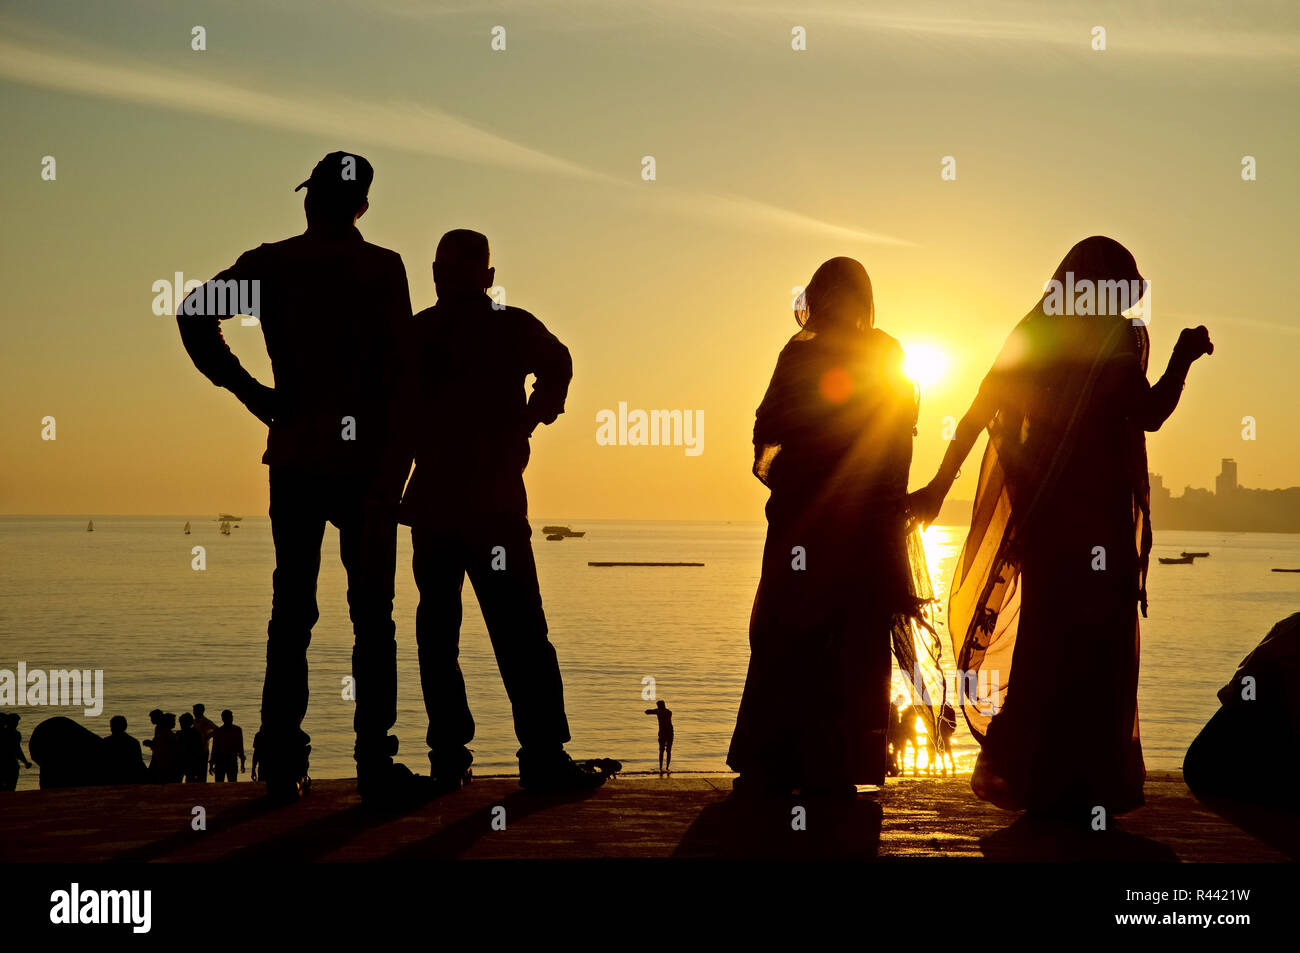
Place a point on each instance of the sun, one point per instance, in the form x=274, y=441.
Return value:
x=925, y=364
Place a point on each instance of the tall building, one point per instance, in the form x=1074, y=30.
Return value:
x=1158, y=489
x=1225, y=483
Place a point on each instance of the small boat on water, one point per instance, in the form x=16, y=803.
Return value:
x=187, y=529
x=1187, y=555
x=227, y=518
x=554, y=536
x=562, y=532
x=1176, y=560
x=90, y=527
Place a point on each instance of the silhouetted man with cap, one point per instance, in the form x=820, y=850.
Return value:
x=334, y=311
x=467, y=510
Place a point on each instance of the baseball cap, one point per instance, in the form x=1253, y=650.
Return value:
x=341, y=173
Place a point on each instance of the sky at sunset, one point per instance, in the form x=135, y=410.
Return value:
x=673, y=293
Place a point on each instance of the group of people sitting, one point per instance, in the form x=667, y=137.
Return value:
x=70, y=755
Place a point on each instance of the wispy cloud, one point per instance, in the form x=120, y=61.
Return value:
x=398, y=125
x=408, y=126
x=726, y=207
x=1204, y=29
x=1144, y=31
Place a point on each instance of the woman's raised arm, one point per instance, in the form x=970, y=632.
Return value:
x=1151, y=404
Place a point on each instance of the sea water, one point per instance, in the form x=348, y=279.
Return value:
x=126, y=600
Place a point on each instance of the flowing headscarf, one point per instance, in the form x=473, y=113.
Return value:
x=837, y=316
x=839, y=293
x=1039, y=393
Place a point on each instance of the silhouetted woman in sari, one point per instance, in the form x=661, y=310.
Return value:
x=833, y=442
x=1044, y=604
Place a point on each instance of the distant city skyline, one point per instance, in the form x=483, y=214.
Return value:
x=1229, y=506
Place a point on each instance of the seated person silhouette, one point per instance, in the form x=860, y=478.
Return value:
x=665, y=716
x=466, y=505
x=69, y=753
x=1248, y=750
x=122, y=758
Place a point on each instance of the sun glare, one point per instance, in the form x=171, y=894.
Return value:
x=925, y=364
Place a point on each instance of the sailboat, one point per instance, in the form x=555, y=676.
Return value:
x=90, y=527
x=187, y=528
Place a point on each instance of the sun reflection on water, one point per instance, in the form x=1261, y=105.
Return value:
x=942, y=545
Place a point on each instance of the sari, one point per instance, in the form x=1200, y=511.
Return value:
x=1043, y=612
x=842, y=579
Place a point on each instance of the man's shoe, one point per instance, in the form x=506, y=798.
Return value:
x=285, y=791
x=450, y=771
x=391, y=785
x=286, y=775
x=557, y=773
x=751, y=785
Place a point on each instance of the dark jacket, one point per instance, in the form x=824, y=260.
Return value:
x=123, y=760
x=470, y=414
x=227, y=742
x=335, y=311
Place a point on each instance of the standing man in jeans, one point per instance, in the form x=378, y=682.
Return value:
x=334, y=311
x=468, y=514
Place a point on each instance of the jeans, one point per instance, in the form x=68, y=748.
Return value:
x=512, y=608
x=302, y=502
